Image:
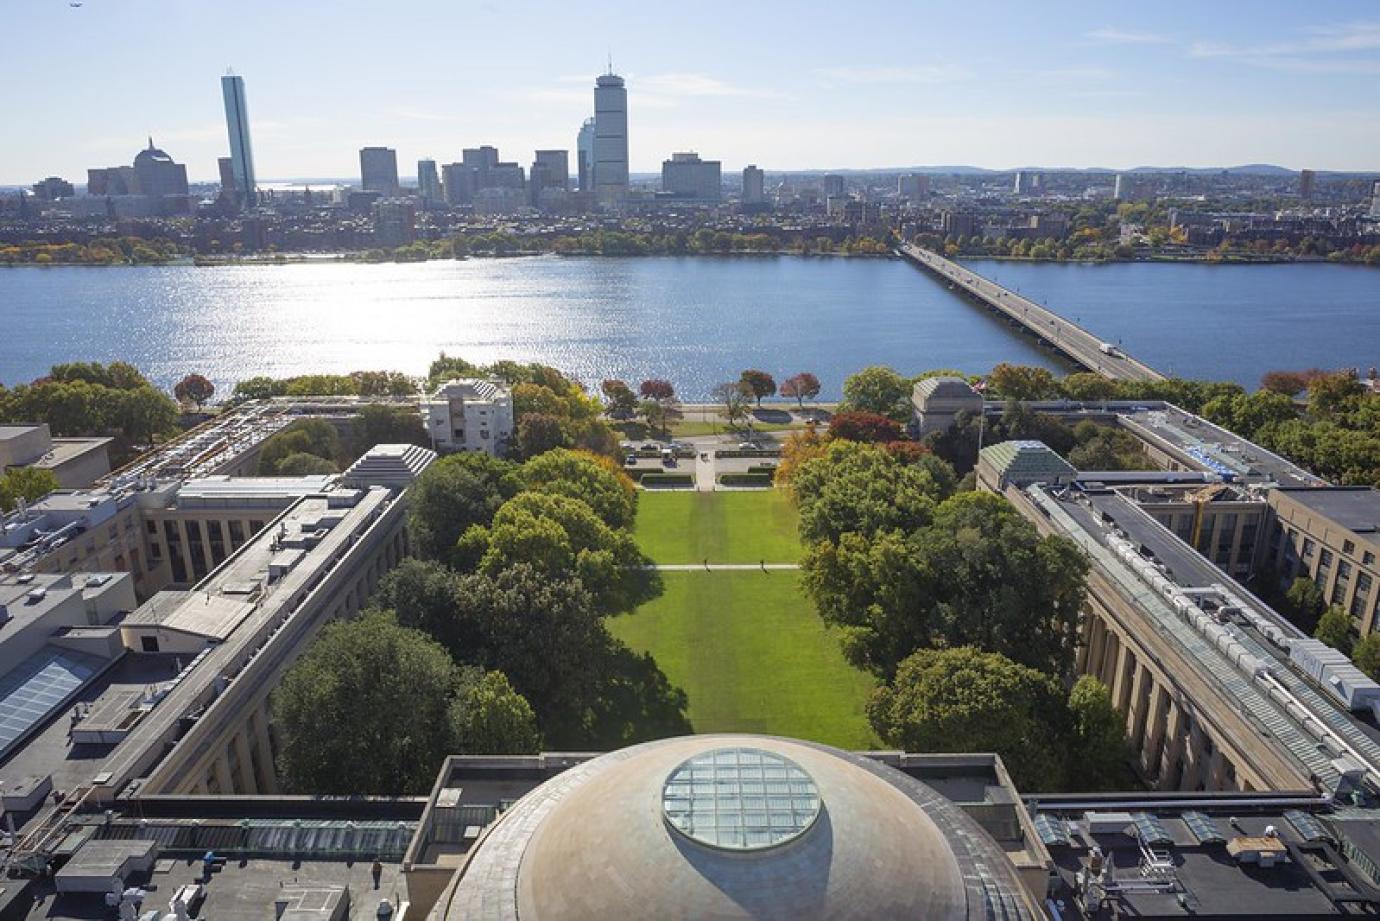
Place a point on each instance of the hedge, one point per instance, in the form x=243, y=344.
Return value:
x=667, y=479
x=745, y=479
x=768, y=469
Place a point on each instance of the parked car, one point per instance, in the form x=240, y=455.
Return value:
x=746, y=446
x=630, y=460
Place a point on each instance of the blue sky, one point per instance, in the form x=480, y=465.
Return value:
x=787, y=85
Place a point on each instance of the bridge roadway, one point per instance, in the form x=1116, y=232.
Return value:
x=1070, y=339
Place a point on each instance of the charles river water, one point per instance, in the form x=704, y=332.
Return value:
x=696, y=321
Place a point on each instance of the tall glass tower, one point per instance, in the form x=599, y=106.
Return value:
x=584, y=155
x=237, y=124
x=610, y=141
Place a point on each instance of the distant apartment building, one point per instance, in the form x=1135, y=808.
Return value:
x=914, y=186
x=686, y=177
x=1375, y=199
x=470, y=414
x=959, y=223
x=53, y=188
x=1133, y=187
x=395, y=221
x=378, y=170
x=459, y=182
x=1307, y=181
x=428, y=182
x=833, y=185
x=1029, y=183
x=754, y=186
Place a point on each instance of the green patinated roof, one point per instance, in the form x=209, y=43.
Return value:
x=1027, y=460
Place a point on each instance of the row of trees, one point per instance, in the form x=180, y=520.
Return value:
x=964, y=612
x=101, y=251
x=517, y=566
x=83, y=398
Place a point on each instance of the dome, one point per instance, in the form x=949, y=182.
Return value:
x=732, y=826
x=151, y=153
x=945, y=387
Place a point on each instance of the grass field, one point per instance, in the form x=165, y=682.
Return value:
x=752, y=655
x=723, y=527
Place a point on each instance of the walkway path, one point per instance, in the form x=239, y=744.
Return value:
x=720, y=567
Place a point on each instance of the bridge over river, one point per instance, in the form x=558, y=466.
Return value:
x=1066, y=337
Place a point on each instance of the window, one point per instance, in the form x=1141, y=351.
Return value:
x=1308, y=547
x=1348, y=547
x=148, y=643
x=483, y=433
x=1368, y=558
x=152, y=526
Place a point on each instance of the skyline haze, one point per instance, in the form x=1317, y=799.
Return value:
x=1095, y=86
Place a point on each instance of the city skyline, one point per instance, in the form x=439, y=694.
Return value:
x=1114, y=89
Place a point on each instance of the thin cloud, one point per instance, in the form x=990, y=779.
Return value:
x=695, y=84
x=875, y=76
x=1332, y=49
x=1111, y=35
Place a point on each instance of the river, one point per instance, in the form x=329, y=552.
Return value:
x=694, y=320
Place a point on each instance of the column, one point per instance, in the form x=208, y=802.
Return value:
x=1174, y=744
x=1216, y=769
x=221, y=766
x=1125, y=673
x=1195, y=756
x=246, y=783
x=268, y=778
x=1141, y=690
x=1155, y=725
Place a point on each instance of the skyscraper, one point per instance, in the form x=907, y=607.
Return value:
x=1375, y=199
x=584, y=155
x=1307, y=178
x=754, y=185
x=378, y=170
x=428, y=181
x=237, y=125
x=610, y=141
x=686, y=176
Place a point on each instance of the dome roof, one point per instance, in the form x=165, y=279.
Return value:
x=151, y=153
x=735, y=827
x=944, y=387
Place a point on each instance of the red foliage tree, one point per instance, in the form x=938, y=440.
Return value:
x=864, y=426
x=657, y=389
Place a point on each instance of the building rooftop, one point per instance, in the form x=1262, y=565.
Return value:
x=1204, y=845
x=1356, y=508
x=1027, y=462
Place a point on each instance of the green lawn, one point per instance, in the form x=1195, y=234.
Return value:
x=752, y=655
x=723, y=527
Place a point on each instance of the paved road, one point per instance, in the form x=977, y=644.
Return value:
x=1070, y=338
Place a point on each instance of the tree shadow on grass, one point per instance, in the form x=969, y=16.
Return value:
x=635, y=702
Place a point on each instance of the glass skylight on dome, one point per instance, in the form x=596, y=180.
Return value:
x=740, y=799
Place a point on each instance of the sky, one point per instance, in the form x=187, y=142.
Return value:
x=785, y=85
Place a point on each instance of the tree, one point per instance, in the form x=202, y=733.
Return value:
x=1088, y=387
x=538, y=433
x=454, y=493
x=864, y=426
x=619, y=397
x=1285, y=383
x=1022, y=382
x=966, y=700
x=657, y=389
x=306, y=436
x=1366, y=655
x=367, y=709
x=304, y=464
x=145, y=412
x=27, y=483
x=1099, y=752
x=862, y=488
x=733, y=395
x=1305, y=599
x=877, y=389
x=1333, y=394
x=976, y=574
x=559, y=537
x=195, y=389
x=596, y=481
x=381, y=424
x=1334, y=629
x=490, y=718
x=759, y=383
x=654, y=413
x=801, y=387
x=448, y=367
